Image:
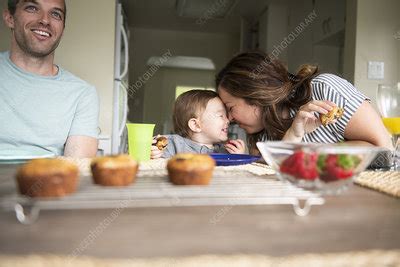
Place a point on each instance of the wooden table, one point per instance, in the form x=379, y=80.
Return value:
x=359, y=219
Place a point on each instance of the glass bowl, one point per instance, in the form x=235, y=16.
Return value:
x=323, y=168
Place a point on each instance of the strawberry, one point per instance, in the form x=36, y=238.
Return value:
x=301, y=165
x=336, y=167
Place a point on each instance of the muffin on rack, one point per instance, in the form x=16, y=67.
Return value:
x=119, y=170
x=190, y=169
x=47, y=178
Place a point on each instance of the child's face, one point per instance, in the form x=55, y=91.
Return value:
x=214, y=122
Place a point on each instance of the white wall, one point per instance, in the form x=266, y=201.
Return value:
x=87, y=48
x=377, y=25
x=153, y=42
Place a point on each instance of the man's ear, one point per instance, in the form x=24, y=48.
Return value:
x=194, y=125
x=8, y=19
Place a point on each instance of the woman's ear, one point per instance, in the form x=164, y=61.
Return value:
x=256, y=111
x=194, y=125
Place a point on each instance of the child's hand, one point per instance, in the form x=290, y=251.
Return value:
x=155, y=152
x=235, y=146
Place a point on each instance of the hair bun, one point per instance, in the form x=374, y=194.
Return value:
x=306, y=71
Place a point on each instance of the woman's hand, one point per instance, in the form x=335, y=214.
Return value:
x=155, y=152
x=306, y=121
x=235, y=146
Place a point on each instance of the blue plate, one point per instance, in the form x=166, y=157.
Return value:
x=233, y=159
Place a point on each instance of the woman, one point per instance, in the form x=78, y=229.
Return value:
x=271, y=104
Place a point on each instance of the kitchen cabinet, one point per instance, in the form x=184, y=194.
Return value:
x=320, y=41
x=329, y=25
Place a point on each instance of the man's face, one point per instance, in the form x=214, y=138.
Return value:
x=37, y=26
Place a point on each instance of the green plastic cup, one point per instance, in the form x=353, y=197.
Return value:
x=140, y=136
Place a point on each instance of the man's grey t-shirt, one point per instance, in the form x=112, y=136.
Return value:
x=38, y=113
x=179, y=144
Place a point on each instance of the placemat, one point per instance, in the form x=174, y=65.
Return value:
x=371, y=258
x=157, y=167
x=384, y=181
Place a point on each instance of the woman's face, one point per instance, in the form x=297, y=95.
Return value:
x=248, y=117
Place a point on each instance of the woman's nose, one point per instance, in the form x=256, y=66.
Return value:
x=230, y=117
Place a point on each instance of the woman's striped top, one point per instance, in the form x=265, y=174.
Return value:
x=343, y=94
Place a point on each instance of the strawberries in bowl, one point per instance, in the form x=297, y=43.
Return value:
x=327, y=168
x=336, y=167
x=301, y=165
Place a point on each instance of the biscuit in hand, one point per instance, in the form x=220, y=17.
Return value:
x=333, y=115
x=161, y=142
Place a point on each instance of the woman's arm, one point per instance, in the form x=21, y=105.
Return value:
x=305, y=120
x=366, y=126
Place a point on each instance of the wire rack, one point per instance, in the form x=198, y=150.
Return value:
x=226, y=189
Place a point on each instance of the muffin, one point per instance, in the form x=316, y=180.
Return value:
x=190, y=169
x=119, y=170
x=47, y=178
x=161, y=143
x=333, y=115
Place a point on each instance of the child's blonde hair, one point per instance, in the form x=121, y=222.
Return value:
x=188, y=105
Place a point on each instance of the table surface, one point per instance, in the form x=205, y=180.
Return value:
x=359, y=219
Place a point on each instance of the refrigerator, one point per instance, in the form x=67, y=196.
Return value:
x=121, y=83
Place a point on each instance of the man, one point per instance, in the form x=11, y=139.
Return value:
x=44, y=110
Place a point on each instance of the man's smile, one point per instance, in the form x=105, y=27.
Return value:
x=42, y=33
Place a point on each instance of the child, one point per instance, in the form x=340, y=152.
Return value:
x=201, y=125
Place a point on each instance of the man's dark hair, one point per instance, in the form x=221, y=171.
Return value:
x=12, y=7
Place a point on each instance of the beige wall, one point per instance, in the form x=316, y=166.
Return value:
x=87, y=48
x=152, y=42
x=377, y=25
x=4, y=31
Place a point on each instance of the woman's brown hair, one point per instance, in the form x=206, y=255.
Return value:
x=265, y=82
x=188, y=105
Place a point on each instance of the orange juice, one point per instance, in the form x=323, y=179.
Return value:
x=392, y=124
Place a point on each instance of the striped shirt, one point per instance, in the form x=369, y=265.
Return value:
x=343, y=94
